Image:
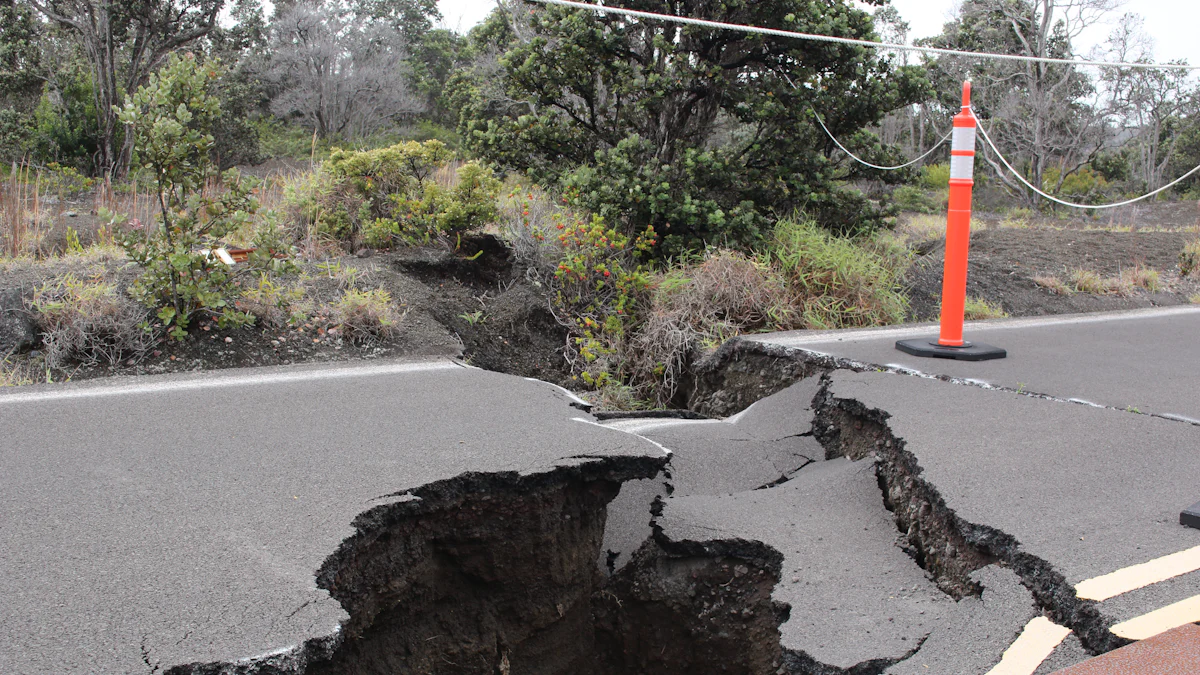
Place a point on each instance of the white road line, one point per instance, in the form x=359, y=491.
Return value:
x=1037, y=642
x=666, y=451
x=1160, y=620
x=803, y=338
x=218, y=382
x=638, y=426
x=1139, y=576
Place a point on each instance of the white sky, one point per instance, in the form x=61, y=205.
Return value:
x=461, y=15
x=1174, y=24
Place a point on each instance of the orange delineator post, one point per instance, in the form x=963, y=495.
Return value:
x=950, y=343
x=958, y=224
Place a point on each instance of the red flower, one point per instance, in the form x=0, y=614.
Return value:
x=607, y=274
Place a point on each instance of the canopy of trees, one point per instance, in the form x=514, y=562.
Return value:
x=707, y=136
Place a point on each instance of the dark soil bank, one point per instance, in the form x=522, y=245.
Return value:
x=1004, y=262
x=481, y=307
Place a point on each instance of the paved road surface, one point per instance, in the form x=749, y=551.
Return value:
x=1148, y=360
x=181, y=519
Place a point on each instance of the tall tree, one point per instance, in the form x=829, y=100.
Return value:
x=20, y=56
x=1045, y=114
x=341, y=74
x=706, y=135
x=413, y=18
x=1148, y=105
x=124, y=41
x=21, y=75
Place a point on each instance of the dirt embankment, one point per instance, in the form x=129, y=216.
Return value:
x=473, y=303
x=1005, y=262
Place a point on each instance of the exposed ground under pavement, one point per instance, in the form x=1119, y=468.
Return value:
x=839, y=516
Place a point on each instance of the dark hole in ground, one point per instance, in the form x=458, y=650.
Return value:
x=487, y=574
x=478, y=260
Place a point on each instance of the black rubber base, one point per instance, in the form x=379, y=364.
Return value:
x=929, y=348
x=1191, y=517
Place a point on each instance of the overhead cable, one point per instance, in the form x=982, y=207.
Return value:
x=852, y=41
x=1056, y=200
x=874, y=166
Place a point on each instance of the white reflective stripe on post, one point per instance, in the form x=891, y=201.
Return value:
x=962, y=167
x=964, y=139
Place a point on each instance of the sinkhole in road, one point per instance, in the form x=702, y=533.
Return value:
x=498, y=574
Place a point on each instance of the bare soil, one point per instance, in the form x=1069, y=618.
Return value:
x=485, y=310
x=479, y=304
x=1003, y=263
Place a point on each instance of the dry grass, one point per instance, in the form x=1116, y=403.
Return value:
x=1145, y=278
x=1090, y=281
x=22, y=220
x=528, y=216
x=922, y=227
x=19, y=371
x=366, y=317
x=1017, y=219
x=1189, y=259
x=1054, y=285
x=273, y=304
x=700, y=306
x=88, y=322
x=1138, y=277
x=978, y=309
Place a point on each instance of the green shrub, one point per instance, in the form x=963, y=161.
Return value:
x=472, y=201
x=65, y=181
x=597, y=289
x=381, y=232
x=835, y=282
x=935, y=176
x=170, y=118
x=399, y=194
x=911, y=199
x=1085, y=185
x=64, y=126
x=88, y=322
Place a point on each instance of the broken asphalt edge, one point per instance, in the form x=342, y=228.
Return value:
x=406, y=506
x=944, y=544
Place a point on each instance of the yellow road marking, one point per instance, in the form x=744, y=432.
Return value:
x=1138, y=576
x=1160, y=620
x=1039, y=639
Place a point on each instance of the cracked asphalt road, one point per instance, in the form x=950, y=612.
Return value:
x=1076, y=477
x=137, y=545
x=171, y=520
x=1148, y=360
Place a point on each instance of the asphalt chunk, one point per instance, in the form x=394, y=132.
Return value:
x=1060, y=492
x=855, y=597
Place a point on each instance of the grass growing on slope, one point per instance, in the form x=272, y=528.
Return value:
x=836, y=282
